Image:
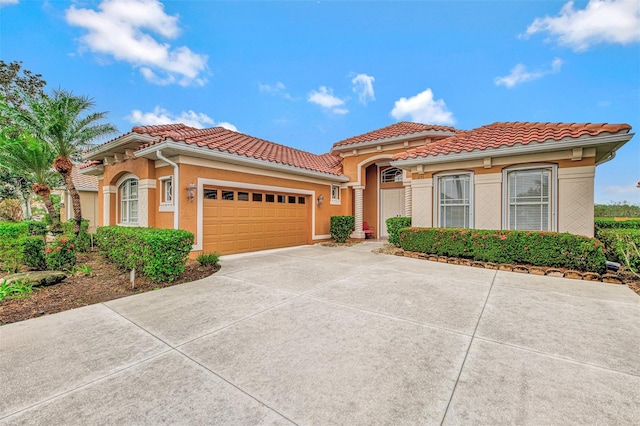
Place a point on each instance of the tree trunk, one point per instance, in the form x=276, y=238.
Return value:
x=64, y=166
x=45, y=192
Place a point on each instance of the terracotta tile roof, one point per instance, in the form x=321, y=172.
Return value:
x=218, y=138
x=83, y=181
x=509, y=134
x=398, y=129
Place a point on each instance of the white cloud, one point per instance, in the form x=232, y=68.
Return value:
x=190, y=118
x=8, y=2
x=363, y=86
x=519, y=74
x=423, y=108
x=605, y=194
x=278, y=89
x=325, y=98
x=601, y=21
x=123, y=29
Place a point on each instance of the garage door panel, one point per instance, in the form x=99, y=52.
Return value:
x=235, y=226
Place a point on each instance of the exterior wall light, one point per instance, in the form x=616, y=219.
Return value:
x=191, y=191
x=320, y=200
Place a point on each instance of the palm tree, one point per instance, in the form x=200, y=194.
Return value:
x=32, y=159
x=63, y=121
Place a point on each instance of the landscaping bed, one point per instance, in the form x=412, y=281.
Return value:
x=104, y=283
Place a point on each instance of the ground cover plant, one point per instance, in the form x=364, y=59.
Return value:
x=551, y=249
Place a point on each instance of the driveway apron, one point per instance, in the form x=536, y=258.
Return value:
x=319, y=335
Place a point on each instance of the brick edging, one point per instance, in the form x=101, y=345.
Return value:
x=610, y=278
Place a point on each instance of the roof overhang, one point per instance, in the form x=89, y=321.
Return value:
x=410, y=136
x=172, y=148
x=606, y=147
x=93, y=170
x=129, y=141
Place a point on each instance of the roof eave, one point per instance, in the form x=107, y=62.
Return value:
x=93, y=170
x=611, y=142
x=128, y=141
x=384, y=141
x=172, y=148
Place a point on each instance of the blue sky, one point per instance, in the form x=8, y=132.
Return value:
x=308, y=74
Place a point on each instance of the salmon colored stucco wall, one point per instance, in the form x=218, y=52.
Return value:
x=370, y=202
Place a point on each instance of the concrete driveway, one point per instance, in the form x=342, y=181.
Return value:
x=320, y=335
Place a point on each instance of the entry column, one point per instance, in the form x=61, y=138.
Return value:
x=358, y=233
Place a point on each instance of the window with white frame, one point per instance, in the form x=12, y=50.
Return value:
x=128, y=193
x=454, y=200
x=335, y=194
x=166, y=187
x=392, y=174
x=529, y=203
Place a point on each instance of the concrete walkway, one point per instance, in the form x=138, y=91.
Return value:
x=320, y=335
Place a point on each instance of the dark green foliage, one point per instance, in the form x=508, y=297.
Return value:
x=33, y=252
x=158, y=254
x=394, y=224
x=609, y=223
x=342, y=227
x=83, y=239
x=526, y=247
x=36, y=228
x=61, y=255
x=622, y=245
x=11, y=236
x=620, y=209
x=208, y=259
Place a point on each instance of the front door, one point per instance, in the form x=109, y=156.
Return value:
x=392, y=206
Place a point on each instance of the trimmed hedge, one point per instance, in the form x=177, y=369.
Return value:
x=342, y=227
x=610, y=223
x=158, y=254
x=527, y=247
x=33, y=252
x=36, y=228
x=622, y=245
x=394, y=224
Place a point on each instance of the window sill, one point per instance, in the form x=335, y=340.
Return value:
x=165, y=207
x=335, y=202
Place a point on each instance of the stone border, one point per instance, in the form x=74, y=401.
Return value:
x=610, y=278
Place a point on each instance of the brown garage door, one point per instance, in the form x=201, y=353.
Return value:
x=237, y=220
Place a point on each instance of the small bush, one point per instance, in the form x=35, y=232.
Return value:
x=33, y=252
x=208, y=259
x=82, y=270
x=36, y=228
x=158, y=254
x=394, y=224
x=61, y=255
x=342, y=227
x=10, y=210
x=11, y=235
x=527, y=247
x=623, y=246
x=83, y=239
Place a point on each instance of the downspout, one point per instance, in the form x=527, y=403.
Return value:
x=175, y=187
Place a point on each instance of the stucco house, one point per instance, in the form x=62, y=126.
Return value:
x=87, y=187
x=239, y=193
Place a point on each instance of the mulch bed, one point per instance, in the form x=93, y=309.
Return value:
x=105, y=283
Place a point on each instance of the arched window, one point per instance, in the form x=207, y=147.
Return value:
x=392, y=174
x=128, y=193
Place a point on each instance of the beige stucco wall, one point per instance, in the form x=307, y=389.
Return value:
x=575, y=200
x=422, y=202
x=487, y=201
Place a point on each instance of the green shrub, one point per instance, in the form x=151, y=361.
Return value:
x=11, y=235
x=83, y=239
x=609, y=223
x=208, y=259
x=36, y=228
x=394, y=224
x=61, y=255
x=622, y=245
x=14, y=290
x=342, y=227
x=527, y=247
x=158, y=254
x=33, y=252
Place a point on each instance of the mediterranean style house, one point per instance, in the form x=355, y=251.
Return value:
x=239, y=193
